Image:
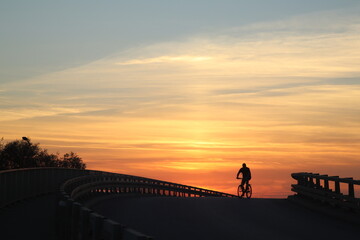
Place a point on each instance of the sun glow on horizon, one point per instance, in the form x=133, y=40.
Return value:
x=193, y=111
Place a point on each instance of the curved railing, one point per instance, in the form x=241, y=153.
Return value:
x=76, y=187
x=327, y=189
x=86, y=224
x=20, y=184
x=85, y=187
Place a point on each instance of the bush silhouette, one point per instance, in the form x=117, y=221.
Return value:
x=25, y=154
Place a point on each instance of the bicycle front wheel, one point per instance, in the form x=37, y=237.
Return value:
x=239, y=191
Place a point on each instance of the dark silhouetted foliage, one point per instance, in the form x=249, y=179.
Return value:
x=25, y=154
x=71, y=160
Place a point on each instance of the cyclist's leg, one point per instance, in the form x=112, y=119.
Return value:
x=242, y=186
x=247, y=185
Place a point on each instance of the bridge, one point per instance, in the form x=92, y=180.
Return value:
x=58, y=203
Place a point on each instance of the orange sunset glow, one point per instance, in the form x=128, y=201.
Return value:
x=281, y=95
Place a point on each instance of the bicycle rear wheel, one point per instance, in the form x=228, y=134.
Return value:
x=248, y=193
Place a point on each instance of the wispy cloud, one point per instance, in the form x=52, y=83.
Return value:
x=167, y=59
x=271, y=94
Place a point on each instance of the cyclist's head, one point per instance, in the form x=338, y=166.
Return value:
x=244, y=164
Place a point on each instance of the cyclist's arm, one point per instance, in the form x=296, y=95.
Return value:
x=237, y=176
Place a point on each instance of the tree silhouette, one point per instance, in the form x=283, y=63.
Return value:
x=71, y=160
x=25, y=154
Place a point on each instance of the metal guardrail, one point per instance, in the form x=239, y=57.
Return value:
x=84, y=187
x=79, y=222
x=76, y=221
x=86, y=224
x=20, y=184
x=317, y=187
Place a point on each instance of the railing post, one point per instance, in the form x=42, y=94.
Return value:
x=3, y=189
x=318, y=185
x=351, y=190
x=96, y=221
x=84, y=223
x=75, y=217
x=311, y=182
x=337, y=187
x=113, y=229
x=63, y=218
x=326, y=184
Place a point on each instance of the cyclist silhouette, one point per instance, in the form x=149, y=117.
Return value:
x=246, y=176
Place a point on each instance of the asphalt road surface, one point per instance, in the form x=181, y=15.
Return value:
x=31, y=219
x=166, y=218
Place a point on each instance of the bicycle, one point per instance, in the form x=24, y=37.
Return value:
x=248, y=190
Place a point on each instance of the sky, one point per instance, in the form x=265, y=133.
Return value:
x=187, y=91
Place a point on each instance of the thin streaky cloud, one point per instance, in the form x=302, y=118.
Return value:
x=279, y=93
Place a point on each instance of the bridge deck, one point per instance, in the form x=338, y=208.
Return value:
x=31, y=219
x=223, y=218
